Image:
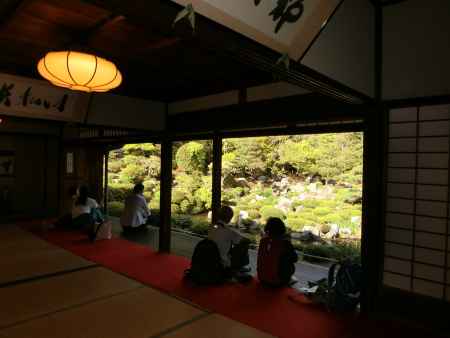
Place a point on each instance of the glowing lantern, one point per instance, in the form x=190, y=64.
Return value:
x=79, y=71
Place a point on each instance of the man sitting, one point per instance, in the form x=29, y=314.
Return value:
x=232, y=246
x=136, y=212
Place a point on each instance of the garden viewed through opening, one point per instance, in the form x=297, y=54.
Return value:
x=312, y=182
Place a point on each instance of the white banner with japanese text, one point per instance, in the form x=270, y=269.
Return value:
x=24, y=97
x=287, y=26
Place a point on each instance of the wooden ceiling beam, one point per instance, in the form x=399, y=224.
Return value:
x=211, y=36
x=8, y=8
x=83, y=37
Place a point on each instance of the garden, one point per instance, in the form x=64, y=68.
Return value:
x=312, y=182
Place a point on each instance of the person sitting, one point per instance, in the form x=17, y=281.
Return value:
x=232, y=246
x=85, y=211
x=135, y=214
x=276, y=255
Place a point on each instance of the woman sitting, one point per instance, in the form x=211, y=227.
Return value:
x=85, y=211
x=276, y=255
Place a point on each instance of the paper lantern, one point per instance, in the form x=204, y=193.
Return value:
x=79, y=71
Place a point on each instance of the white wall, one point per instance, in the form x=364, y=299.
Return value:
x=344, y=51
x=416, y=49
x=120, y=111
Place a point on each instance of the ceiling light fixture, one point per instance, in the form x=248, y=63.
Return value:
x=79, y=71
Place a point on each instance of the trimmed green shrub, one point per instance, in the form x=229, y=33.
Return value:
x=182, y=221
x=295, y=224
x=115, y=208
x=175, y=208
x=254, y=214
x=185, y=206
x=200, y=228
x=118, y=192
x=321, y=211
x=191, y=157
x=177, y=196
x=268, y=211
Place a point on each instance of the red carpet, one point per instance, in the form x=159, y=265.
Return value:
x=268, y=310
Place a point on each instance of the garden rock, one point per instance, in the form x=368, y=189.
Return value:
x=312, y=187
x=284, y=204
x=354, y=200
x=311, y=229
x=243, y=215
x=333, y=233
x=242, y=182
x=309, y=237
x=345, y=232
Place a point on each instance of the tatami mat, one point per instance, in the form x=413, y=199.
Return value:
x=141, y=313
x=216, y=326
x=26, y=264
x=30, y=300
x=15, y=239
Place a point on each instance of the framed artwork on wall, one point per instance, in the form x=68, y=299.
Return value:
x=70, y=163
x=7, y=162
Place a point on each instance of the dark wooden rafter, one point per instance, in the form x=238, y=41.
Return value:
x=8, y=8
x=212, y=36
x=82, y=38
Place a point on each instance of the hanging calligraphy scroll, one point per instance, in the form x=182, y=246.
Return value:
x=287, y=26
x=26, y=97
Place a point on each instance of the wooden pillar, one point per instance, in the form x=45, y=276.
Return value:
x=216, y=177
x=166, y=196
x=105, y=183
x=372, y=244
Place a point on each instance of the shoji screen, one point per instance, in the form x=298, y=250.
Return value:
x=417, y=257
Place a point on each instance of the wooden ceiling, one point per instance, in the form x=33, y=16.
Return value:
x=157, y=62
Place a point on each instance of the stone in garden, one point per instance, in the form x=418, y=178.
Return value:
x=302, y=197
x=312, y=187
x=311, y=229
x=309, y=237
x=242, y=182
x=345, y=232
x=333, y=233
x=284, y=204
x=296, y=235
x=299, y=208
x=229, y=182
x=354, y=200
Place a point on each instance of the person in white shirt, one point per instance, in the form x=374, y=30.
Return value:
x=85, y=210
x=228, y=239
x=136, y=211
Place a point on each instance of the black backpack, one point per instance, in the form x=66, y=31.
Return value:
x=206, y=265
x=344, y=286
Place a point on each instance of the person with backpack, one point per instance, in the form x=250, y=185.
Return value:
x=276, y=255
x=233, y=247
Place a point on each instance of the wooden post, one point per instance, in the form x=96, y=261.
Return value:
x=216, y=177
x=105, y=183
x=166, y=196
